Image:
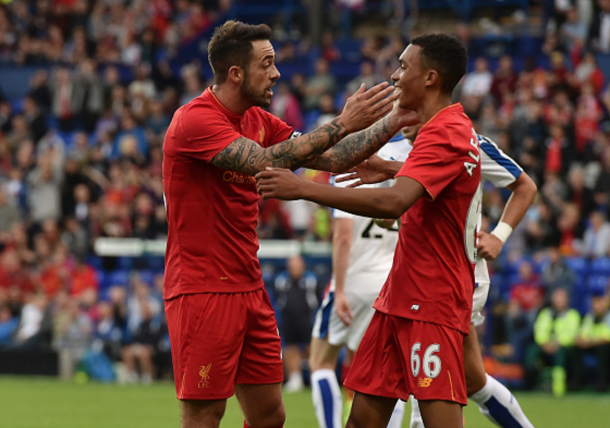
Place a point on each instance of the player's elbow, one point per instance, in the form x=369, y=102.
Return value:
x=394, y=207
x=341, y=240
x=527, y=187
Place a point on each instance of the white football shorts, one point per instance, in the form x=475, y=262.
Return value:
x=328, y=325
x=479, y=298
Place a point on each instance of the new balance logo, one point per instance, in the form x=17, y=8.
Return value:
x=424, y=383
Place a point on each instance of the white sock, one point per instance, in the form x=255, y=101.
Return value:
x=327, y=400
x=397, y=414
x=497, y=403
x=416, y=420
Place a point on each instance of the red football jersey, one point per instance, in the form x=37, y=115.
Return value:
x=432, y=276
x=211, y=212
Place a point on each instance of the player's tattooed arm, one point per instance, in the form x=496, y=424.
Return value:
x=245, y=155
x=361, y=110
x=355, y=148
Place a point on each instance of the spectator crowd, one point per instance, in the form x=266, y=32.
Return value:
x=81, y=153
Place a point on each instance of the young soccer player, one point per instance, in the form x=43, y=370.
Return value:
x=362, y=258
x=494, y=400
x=414, y=342
x=221, y=324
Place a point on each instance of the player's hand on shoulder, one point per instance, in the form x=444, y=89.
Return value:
x=489, y=247
x=365, y=107
x=371, y=171
x=278, y=183
x=343, y=309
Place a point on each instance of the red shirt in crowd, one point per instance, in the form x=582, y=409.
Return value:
x=432, y=277
x=212, y=212
x=528, y=295
x=83, y=278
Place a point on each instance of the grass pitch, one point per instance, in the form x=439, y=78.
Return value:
x=49, y=403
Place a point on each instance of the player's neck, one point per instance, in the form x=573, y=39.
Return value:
x=230, y=97
x=432, y=105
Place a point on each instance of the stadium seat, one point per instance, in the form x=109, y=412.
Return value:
x=101, y=277
x=147, y=276
x=579, y=265
x=528, y=46
x=512, y=266
x=156, y=263
x=118, y=277
x=600, y=266
x=597, y=283
x=94, y=261
x=500, y=287
x=124, y=262
x=67, y=137
x=350, y=48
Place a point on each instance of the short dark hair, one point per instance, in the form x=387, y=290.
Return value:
x=446, y=55
x=231, y=45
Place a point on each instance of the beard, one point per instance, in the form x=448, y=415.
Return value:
x=255, y=97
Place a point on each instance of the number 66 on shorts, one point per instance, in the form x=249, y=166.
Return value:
x=432, y=363
x=412, y=357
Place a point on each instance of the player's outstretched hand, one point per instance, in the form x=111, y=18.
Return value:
x=278, y=183
x=489, y=246
x=370, y=171
x=364, y=107
x=342, y=308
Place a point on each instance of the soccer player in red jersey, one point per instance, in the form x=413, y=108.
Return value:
x=414, y=344
x=222, y=327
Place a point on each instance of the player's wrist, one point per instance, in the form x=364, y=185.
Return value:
x=308, y=190
x=346, y=125
x=391, y=168
x=502, y=231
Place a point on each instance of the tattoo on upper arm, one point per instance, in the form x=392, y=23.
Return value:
x=245, y=155
x=238, y=156
x=354, y=148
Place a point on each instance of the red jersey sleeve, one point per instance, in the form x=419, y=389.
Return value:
x=277, y=129
x=206, y=132
x=432, y=162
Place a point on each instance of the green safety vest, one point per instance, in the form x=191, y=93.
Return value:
x=562, y=328
x=592, y=330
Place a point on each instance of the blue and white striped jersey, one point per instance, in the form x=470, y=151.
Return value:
x=501, y=171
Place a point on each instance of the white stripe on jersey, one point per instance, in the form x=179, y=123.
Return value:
x=501, y=171
x=496, y=167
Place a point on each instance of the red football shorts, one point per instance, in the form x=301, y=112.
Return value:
x=219, y=340
x=399, y=357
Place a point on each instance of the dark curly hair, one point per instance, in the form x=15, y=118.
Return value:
x=231, y=45
x=446, y=55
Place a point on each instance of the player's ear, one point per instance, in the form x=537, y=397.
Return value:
x=236, y=75
x=432, y=78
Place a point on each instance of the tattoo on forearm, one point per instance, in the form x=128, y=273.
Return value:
x=354, y=148
x=245, y=155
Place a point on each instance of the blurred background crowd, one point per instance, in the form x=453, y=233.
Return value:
x=88, y=88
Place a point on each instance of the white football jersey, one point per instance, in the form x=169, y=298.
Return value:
x=373, y=247
x=501, y=171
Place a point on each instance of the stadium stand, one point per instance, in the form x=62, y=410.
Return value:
x=87, y=89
